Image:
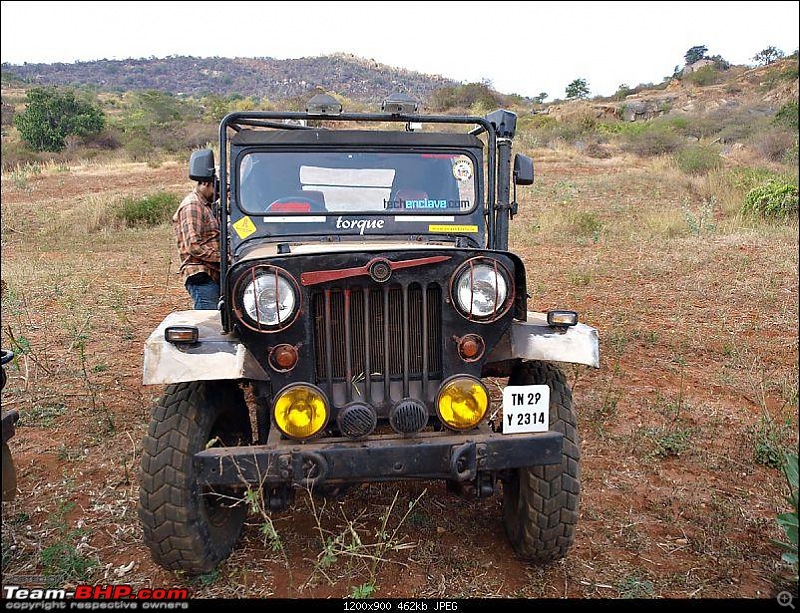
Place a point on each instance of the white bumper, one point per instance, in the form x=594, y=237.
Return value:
x=535, y=340
x=217, y=356
x=220, y=356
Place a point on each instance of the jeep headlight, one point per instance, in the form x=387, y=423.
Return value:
x=480, y=289
x=269, y=297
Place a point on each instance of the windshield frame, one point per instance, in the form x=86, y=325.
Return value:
x=477, y=179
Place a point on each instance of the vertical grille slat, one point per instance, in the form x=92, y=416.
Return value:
x=416, y=323
x=348, y=348
x=372, y=336
x=376, y=326
x=362, y=344
x=387, y=370
x=328, y=343
x=424, y=348
x=406, y=344
x=434, y=315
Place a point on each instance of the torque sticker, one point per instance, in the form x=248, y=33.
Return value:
x=359, y=224
x=462, y=169
x=244, y=227
x=453, y=228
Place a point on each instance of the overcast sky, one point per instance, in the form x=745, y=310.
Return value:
x=521, y=47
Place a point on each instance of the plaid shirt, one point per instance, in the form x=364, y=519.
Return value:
x=197, y=233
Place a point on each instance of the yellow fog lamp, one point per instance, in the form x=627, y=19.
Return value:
x=462, y=402
x=562, y=319
x=181, y=335
x=301, y=411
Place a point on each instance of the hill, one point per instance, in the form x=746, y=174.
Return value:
x=349, y=75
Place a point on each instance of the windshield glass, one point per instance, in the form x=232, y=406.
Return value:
x=356, y=182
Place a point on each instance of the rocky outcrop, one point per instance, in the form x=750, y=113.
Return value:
x=642, y=110
x=697, y=66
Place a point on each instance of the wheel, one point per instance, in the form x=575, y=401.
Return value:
x=9, y=474
x=186, y=526
x=540, y=503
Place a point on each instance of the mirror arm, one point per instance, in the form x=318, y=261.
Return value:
x=514, y=206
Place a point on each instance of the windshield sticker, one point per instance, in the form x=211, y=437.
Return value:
x=454, y=228
x=427, y=203
x=296, y=219
x=360, y=224
x=424, y=218
x=462, y=169
x=244, y=227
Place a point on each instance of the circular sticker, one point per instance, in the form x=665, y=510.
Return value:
x=462, y=169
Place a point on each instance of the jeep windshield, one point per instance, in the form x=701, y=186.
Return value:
x=356, y=182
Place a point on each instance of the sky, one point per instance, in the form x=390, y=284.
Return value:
x=526, y=48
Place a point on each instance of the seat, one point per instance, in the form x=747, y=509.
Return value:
x=304, y=201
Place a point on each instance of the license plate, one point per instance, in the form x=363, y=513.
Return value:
x=526, y=408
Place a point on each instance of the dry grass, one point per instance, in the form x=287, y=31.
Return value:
x=697, y=310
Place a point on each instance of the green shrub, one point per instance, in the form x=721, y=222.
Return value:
x=787, y=115
x=776, y=200
x=746, y=179
x=788, y=521
x=622, y=127
x=147, y=211
x=698, y=159
x=584, y=223
x=52, y=115
x=707, y=75
x=655, y=139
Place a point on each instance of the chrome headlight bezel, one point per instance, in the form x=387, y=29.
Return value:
x=265, y=278
x=482, y=270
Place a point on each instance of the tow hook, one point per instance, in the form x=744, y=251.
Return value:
x=309, y=468
x=464, y=462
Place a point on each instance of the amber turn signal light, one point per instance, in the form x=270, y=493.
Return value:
x=562, y=319
x=179, y=335
x=471, y=347
x=283, y=358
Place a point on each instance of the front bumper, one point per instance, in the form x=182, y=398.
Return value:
x=383, y=458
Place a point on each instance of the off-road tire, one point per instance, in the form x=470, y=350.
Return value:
x=540, y=503
x=186, y=526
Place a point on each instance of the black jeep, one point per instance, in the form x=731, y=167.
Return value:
x=367, y=290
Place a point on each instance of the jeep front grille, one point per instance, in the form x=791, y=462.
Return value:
x=361, y=334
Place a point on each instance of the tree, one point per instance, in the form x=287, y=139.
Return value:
x=540, y=98
x=52, y=115
x=696, y=53
x=579, y=88
x=768, y=56
x=623, y=91
x=720, y=63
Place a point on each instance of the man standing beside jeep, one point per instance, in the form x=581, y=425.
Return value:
x=197, y=234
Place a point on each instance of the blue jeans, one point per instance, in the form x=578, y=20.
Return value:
x=204, y=291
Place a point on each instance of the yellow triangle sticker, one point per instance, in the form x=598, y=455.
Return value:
x=244, y=227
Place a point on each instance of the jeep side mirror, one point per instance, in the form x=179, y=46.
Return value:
x=523, y=170
x=201, y=166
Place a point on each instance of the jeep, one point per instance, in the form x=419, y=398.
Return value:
x=367, y=291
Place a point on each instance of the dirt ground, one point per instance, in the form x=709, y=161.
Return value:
x=696, y=395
